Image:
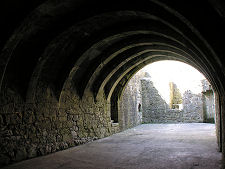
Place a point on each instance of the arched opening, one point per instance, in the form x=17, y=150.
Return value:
x=167, y=92
x=65, y=66
x=199, y=99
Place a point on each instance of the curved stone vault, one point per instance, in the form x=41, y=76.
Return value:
x=64, y=64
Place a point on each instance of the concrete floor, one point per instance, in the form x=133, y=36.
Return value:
x=148, y=146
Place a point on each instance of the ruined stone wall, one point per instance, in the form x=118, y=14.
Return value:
x=131, y=103
x=206, y=85
x=192, y=107
x=175, y=96
x=154, y=107
x=208, y=107
x=156, y=110
x=208, y=102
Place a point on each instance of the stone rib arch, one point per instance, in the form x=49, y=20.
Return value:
x=62, y=40
x=69, y=60
x=101, y=18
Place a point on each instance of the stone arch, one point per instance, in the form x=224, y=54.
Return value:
x=76, y=57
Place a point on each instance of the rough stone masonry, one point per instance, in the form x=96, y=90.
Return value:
x=154, y=109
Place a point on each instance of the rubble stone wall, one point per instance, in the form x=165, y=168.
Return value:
x=156, y=110
x=131, y=103
x=208, y=102
x=192, y=107
x=33, y=129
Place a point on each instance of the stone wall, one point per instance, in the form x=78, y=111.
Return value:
x=192, y=107
x=131, y=103
x=48, y=125
x=175, y=96
x=187, y=108
x=154, y=107
x=156, y=110
x=208, y=102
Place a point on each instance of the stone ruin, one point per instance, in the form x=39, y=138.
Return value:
x=141, y=99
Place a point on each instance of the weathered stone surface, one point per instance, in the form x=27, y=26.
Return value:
x=32, y=151
x=208, y=99
x=192, y=107
x=141, y=95
x=156, y=110
x=21, y=154
x=57, y=60
x=153, y=105
x=175, y=96
x=131, y=104
x=42, y=128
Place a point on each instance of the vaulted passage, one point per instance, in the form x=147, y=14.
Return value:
x=64, y=65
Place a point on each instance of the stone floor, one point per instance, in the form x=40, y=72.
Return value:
x=148, y=146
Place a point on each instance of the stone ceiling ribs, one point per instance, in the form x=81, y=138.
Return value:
x=77, y=42
x=58, y=55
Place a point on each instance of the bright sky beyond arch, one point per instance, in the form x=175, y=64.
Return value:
x=183, y=75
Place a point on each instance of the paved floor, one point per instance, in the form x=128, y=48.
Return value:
x=148, y=146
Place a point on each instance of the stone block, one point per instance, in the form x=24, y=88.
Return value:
x=45, y=133
x=69, y=124
x=41, y=151
x=21, y=154
x=59, y=138
x=74, y=134
x=32, y=151
x=63, y=118
x=48, y=149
